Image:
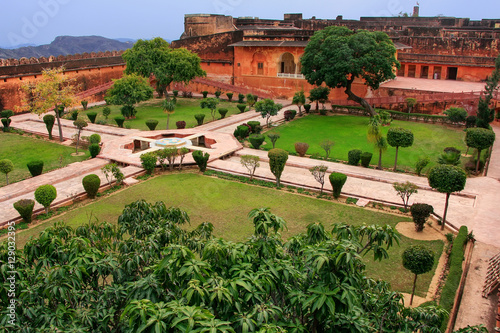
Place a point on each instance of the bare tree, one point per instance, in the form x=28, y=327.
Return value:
x=319, y=172
x=250, y=162
x=405, y=190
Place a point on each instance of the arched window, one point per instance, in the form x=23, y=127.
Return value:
x=286, y=63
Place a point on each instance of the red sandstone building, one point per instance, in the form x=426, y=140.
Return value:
x=259, y=53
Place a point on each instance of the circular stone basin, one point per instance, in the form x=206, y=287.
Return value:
x=171, y=143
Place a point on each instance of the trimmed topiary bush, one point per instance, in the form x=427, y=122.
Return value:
x=277, y=162
x=223, y=112
x=199, y=118
x=106, y=111
x=176, y=93
x=148, y=161
x=151, y=124
x=94, y=150
x=217, y=94
x=95, y=138
x=241, y=98
x=204, y=93
x=301, y=148
x=337, y=180
x=6, y=166
x=366, y=158
x=92, y=116
x=288, y=115
x=201, y=159
x=6, y=114
x=119, y=121
x=25, y=209
x=229, y=96
x=256, y=140
x=91, y=184
x=35, y=167
x=354, y=156
x=49, y=120
x=307, y=107
x=84, y=105
x=241, y=107
x=255, y=127
x=44, y=195
x=74, y=115
x=181, y=124
x=241, y=132
x=420, y=212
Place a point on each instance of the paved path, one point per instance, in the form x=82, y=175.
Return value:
x=433, y=85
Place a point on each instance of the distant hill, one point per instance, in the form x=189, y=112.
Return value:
x=64, y=45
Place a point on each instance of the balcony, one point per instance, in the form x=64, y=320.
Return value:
x=291, y=76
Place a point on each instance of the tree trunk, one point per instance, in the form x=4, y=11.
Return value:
x=351, y=96
x=7, y=178
x=277, y=182
x=487, y=164
x=168, y=119
x=413, y=291
x=379, y=166
x=445, y=210
x=478, y=160
x=77, y=141
x=317, y=106
x=321, y=192
x=61, y=139
x=396, y=160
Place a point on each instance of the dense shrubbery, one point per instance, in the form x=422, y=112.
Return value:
x=366, y=158
x=201, y=159
x=92, y=116
x=25, y=209
x=241, y=132
x=151, y=124
x=35, y=167
x=337, y=180
x=180, y=124
x=91, y=184
x=354, y=156
x=255, y=127
x=301, y=148
x=256, y=140
x=94, y=138
x=420, y=212
x=148, y=161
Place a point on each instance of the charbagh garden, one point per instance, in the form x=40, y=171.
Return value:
x=188, y=250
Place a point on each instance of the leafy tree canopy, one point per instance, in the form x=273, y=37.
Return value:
x=447, y=178
x=149, y=274
x=337, y=56
x=129, y=90
x=168, y=65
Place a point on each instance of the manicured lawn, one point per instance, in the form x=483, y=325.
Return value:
x=152, y=109
x=349, y=132
x=226, y=204
x=21, y=149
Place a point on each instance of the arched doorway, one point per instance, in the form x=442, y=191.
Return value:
x=286, y=64
x=258, y=64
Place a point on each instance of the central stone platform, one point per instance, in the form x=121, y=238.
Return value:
x=171, y=143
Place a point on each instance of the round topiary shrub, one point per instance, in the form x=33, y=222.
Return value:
x=366, y=158
x=119, y=121
x=241, y=107
x=6, y=166
x=91, y=184
x=44, y=195
x=94, y=150
x=301, y=148
x=95, y=138
x=151, y=124
x=354, y=156
x=199, y=118
x=106, y=111
x=223, y=112
x=337, y=180
x=256, y=140
x=241, y=132
x=201, y=159
x=255, y=127
x=6, y=114
x=25, y=209
x=307, y=107
x=35, y=167
x=181, y=124
x=420, y=212
x=92, y=116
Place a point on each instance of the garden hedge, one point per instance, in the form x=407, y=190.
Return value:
x=35, y=167
x=25, y=208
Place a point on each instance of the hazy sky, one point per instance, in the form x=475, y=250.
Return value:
x=40, y=21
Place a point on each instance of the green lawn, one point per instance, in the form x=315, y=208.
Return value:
x=226, y=205
x=152, y=109
x=349, y=132
x=21, y=149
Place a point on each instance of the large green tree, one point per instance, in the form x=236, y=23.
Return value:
x=485, y=113
x=337, y=56
x=156, y=57
x=148, y=273
x=128, y=91
x=480, y=139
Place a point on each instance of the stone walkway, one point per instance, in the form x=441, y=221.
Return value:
x=433, y=85
x=476, y=206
